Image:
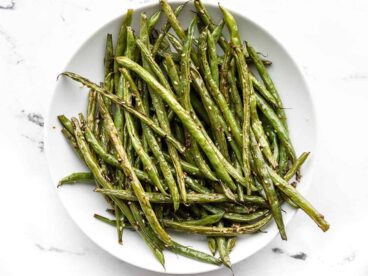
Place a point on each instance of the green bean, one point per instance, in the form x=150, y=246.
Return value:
x=259, y=132
x=247, y=59
x=217, y=122
x=99, y=149
x=82, y=147
x=207, y=20
x=238, y=209
x=228, y=116
x=245, y=87
x=112, y=222
x=198, y=82
x=283, y=159
x=194, y=254
x=275, y=148
x=268, y=83
x=109, y=62
x=232, y=27
x=91, y=107
x=222, y=248
x=172, y=72
x=223, y=74
x=131, y=176
x=119, y=224
x=148, y=165
x=212, y=245
x=121, y=44
x=152, y=20
x=245, y=217
x=108, y=85
x=66, y=123
x=109, y=56
x=279, y=151
x=239, y=188
x=299, y=200
x=74, y=144
x=212, y=58
x=118, y=113
x=150, y=138
x=177, y=44
x=77, y=178
x=263, y=91
x=297, y=164
x=184, y=84
x=155, y=127
x=164, y=31
x=200, y=26
x=208, y=220
x=196, y=186
x=192, y=198
x=255, y=179
x=231, y=243
x=174, y=22
x=235, y=216
x=268, y=185
x=108, y=221
x=226, y=191
x=217, y=231
x=217, y=32
x=213, y=114
x=277, y=124
x=203, y=13
x=150, y=64
x=289, y=201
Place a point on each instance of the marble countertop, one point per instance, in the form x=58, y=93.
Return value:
x=327, y=38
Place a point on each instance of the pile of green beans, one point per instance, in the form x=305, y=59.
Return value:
x=182, y=136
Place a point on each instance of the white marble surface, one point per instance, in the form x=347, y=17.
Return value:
x=327, y=38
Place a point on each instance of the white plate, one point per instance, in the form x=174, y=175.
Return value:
x=80, y=200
